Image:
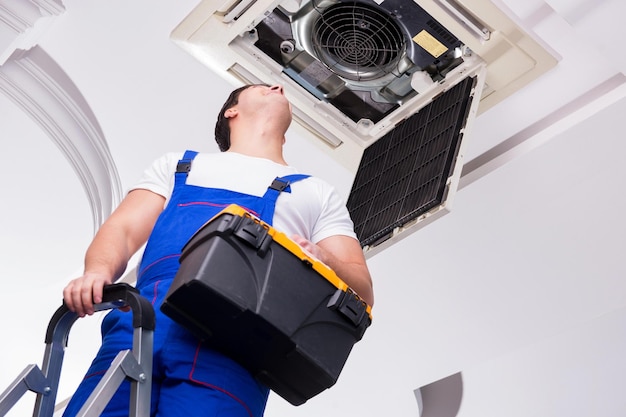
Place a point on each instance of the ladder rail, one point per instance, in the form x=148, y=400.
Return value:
x=57, y=336
x=44, y=382
x=30, y=379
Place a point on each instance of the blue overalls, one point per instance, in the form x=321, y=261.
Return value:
x=189, y=379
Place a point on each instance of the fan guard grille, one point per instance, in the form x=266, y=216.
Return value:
x=358, y=41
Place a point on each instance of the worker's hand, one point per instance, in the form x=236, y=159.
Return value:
x=310, y=248
x=82, y=293
x=342, y=254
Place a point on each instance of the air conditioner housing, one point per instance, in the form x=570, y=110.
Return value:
x=364, y=73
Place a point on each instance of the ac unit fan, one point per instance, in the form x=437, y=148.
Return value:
x=358, y=55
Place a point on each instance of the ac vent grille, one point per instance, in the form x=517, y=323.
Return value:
x=442, y=33
x=358, y=41
x=405, y=173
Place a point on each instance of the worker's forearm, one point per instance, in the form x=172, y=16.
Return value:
x=108, y=254
x=105, y=261
x=124, y=232
x=356, y=275
x=343, y=255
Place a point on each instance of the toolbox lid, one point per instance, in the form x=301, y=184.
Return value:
x=350, y=296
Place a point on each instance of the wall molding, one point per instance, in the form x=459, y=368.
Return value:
x=37, y=85
x=22, y=23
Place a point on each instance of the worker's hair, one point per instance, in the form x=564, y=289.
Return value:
x=222, y=126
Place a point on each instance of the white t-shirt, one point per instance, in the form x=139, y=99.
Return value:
x=313, y=209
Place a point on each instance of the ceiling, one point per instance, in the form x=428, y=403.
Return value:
x=521, y=288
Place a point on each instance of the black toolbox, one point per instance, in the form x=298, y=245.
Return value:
x=252, y=293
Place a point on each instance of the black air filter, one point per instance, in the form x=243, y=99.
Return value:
x=403, y=175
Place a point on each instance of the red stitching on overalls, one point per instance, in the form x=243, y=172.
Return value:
x=207, y=203
x=201, y=203
x=156, y=286
x=94, y=374
x=206, y=384
x=156, y=262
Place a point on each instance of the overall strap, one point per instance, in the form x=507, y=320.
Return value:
x=279, y=185
x=184, y=166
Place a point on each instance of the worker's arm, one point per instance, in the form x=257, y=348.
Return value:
x=121, y=235
x=344, y=255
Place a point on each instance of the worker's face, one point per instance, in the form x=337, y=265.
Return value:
x=265, y=97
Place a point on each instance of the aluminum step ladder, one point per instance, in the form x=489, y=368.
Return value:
x=135, y=364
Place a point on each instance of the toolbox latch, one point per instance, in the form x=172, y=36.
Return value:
x=349, y=304
x=255, y=234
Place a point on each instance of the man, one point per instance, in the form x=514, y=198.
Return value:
x=190, y=379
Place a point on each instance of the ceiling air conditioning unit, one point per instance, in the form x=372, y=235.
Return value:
x=388, y=88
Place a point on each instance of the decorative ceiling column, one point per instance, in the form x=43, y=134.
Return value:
x=38, y=85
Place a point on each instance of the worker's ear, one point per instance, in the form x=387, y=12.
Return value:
x=230, y=113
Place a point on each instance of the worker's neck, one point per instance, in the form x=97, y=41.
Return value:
x=258, y=148
x=261, y=136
